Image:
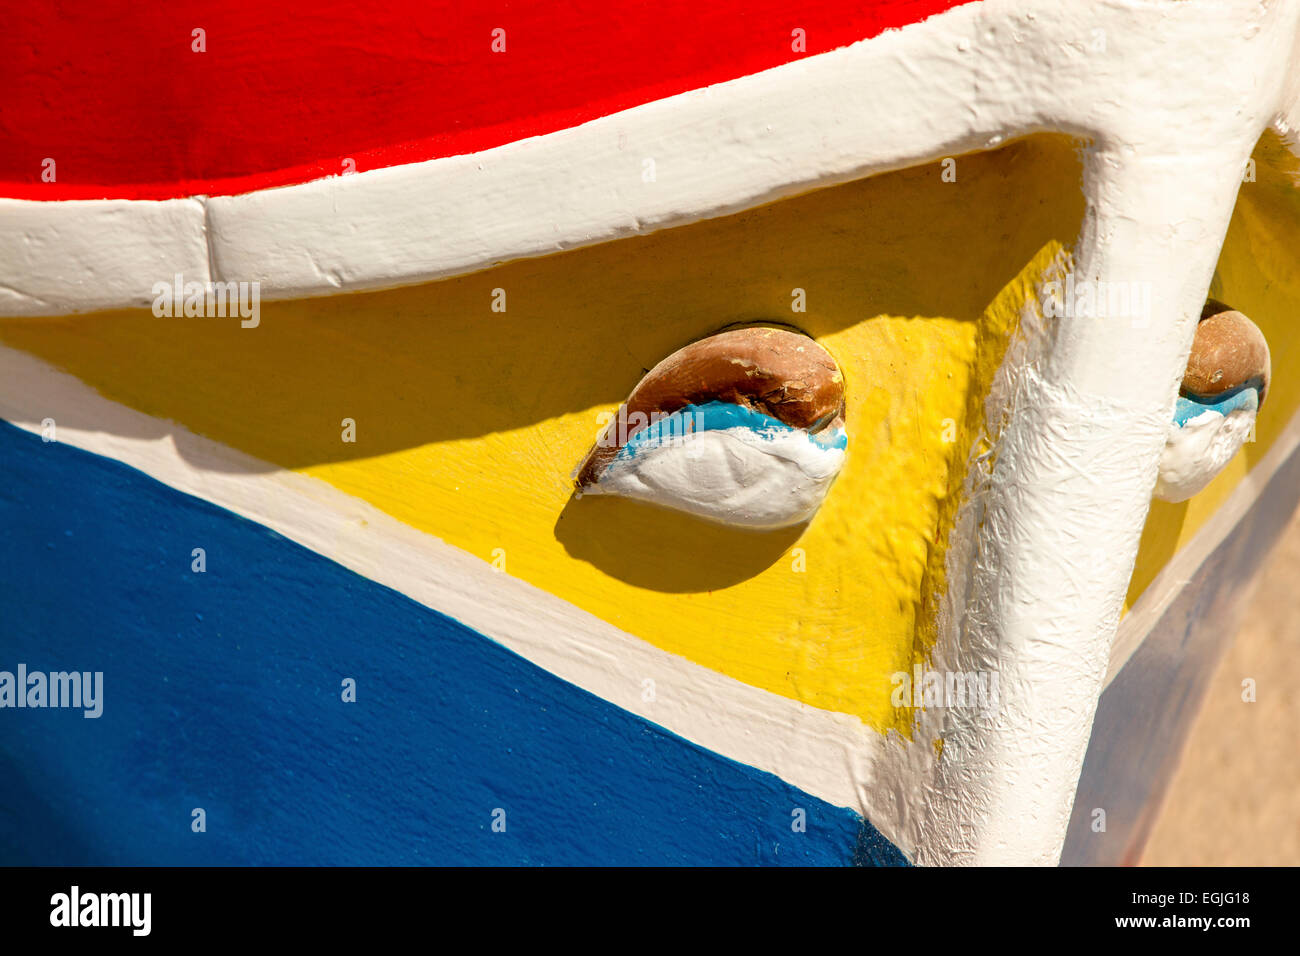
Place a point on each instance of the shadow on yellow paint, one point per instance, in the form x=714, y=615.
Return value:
x=642, y=545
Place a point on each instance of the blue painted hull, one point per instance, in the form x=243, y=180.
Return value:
x=222, y=690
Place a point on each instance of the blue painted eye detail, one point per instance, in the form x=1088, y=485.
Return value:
x=1187, y=409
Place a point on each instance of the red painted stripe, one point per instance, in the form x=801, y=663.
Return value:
x=287, y=89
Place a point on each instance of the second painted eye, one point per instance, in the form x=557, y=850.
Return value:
x=744, y=427
x=1226, y=381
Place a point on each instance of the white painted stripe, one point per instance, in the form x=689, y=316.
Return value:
x=964, y=80
x=822, y=753
x=84, y=255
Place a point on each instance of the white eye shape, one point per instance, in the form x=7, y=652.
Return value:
x=1226, y=381
x=744, y=428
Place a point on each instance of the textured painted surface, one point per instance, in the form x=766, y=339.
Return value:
x=469, y=421
x=222, y=691
x=285, y=92
x=1048, y=544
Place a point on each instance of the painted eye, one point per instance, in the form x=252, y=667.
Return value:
x=1227, y=378
x=744, y=427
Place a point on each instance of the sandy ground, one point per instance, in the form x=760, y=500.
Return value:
x=1235, y=799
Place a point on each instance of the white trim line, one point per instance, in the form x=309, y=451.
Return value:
x=86, y=255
